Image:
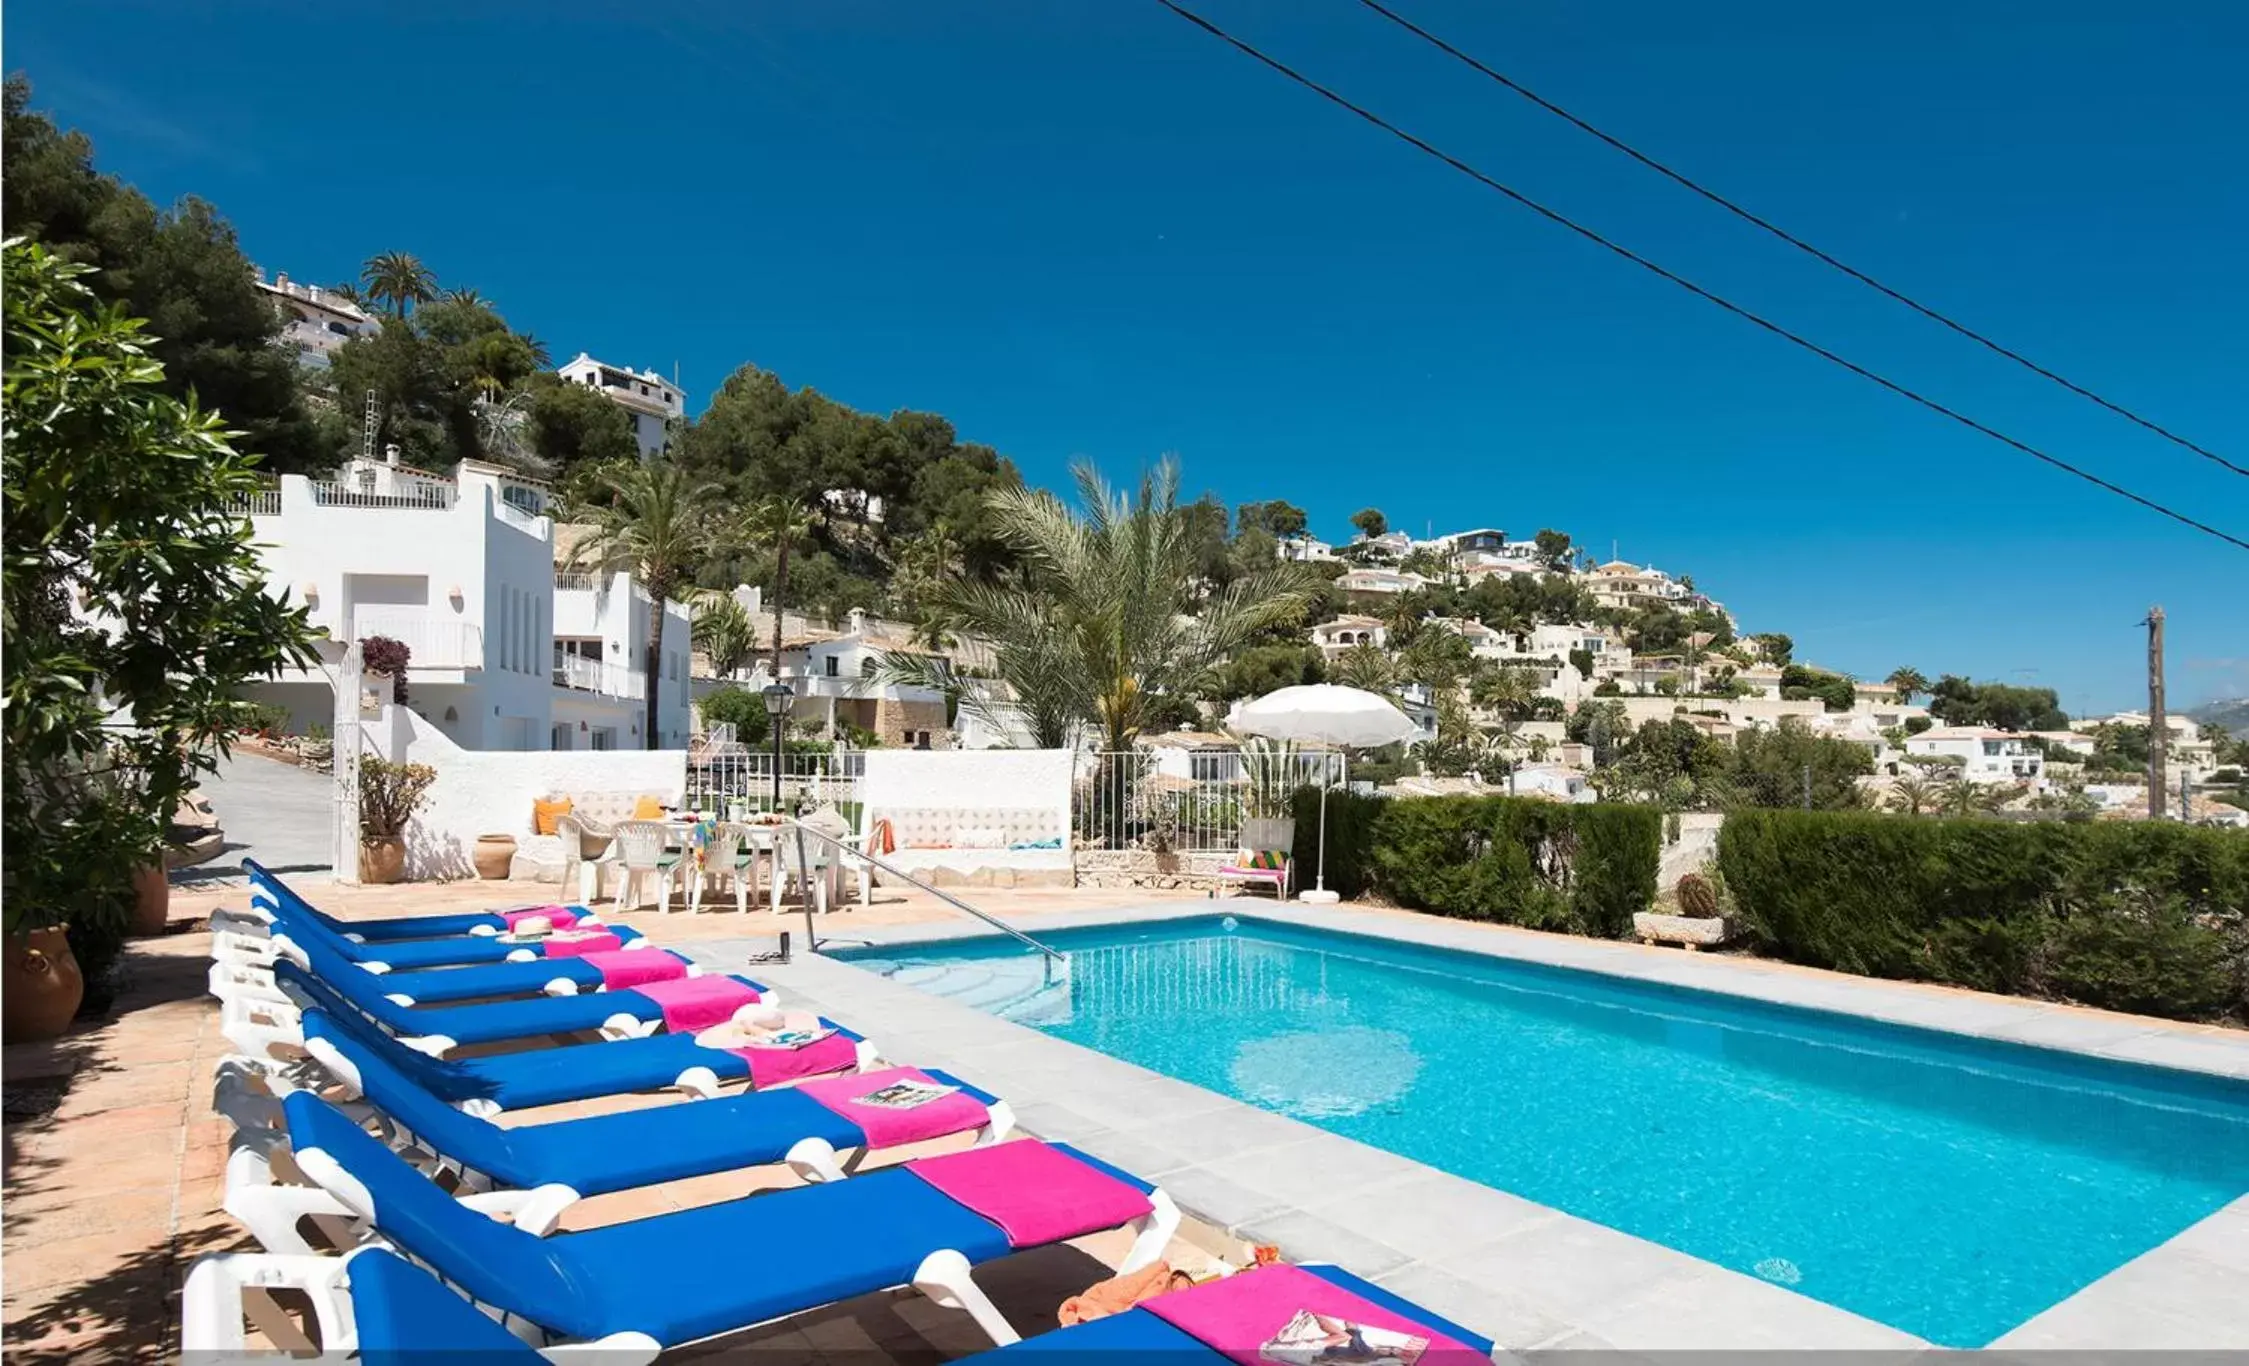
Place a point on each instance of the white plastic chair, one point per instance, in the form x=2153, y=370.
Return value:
x=789, y=868
x=574, y=834
x=722, y=858
x=639, y=857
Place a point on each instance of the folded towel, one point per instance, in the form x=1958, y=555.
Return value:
x=1117, y=1294
x=623, y=969
x=695, y=1003
x=1036, y=1194
x=1236, y=1316
x=886, y=1127
x=582, y=946
x=780, y=1066
x=557, y=917
x=1050, y=842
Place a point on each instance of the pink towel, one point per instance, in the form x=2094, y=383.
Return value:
x=779, y=1066
x=1236, y=1316
x=561, y=917
x=624, y=968
x=1036, y=1194
x=604, y=942
x=887, y=1128
x=694, y=1003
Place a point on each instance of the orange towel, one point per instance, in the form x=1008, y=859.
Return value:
x=1117, y=1294
x=881, y=837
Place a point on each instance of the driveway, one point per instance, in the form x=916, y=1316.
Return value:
x=273, y=812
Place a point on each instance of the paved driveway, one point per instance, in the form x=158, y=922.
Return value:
x=273, y=812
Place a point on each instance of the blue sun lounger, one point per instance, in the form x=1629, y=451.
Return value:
x=564, y=1161
x=625, y=1013
x=546, y=1076
x=691, y=1274
x=267, y=889
x=435, y=986
x=409, y=955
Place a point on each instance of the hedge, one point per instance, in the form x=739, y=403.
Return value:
x=2148, y=917
x=1583, y=869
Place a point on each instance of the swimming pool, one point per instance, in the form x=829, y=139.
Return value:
x=1948, y=1186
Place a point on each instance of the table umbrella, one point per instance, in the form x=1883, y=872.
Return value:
x=1324, y=713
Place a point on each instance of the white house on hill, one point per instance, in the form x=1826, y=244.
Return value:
x=651, y=399
x=1987, y=756
x=504, y=654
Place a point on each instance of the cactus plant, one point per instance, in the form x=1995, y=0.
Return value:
x=1697, y=898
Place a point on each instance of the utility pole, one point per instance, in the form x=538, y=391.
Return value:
x=2158, y=728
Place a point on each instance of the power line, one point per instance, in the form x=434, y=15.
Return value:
x=1554, y=216
x=1799, y=243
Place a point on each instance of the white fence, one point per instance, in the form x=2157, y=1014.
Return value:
x=594, y=675
x=433, y=496
x=729, y=771
x=1187, y=801
x=436, y=642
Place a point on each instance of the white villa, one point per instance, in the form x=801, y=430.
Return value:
x=1345, y=632
x=1377, y=581
x=649, y=397
x=1627, y=586
x=318, y=320
x=1987, y=756
x=505, y=653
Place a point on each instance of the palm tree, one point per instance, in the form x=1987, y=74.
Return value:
x=399, y=278
x=723, y=632
x=1507, y=690
x=1364, y=667
x=652, y=521
x=470, y=296
x=1107, y=616
x=1913, y=794
x=779, y=525
x=1909, y=682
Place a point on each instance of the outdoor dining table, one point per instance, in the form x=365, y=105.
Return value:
x=758, y=842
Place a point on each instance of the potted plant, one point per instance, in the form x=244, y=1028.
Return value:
x=389, y=795
x=1700, y=919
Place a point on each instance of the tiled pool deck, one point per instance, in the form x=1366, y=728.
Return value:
x=1530, y=1276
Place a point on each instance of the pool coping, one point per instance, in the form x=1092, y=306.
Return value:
x=1453, y=1243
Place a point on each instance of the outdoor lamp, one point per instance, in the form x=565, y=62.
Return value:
x=777, y=700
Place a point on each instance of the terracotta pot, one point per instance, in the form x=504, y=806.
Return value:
x=494, y=856
x=152, y=901
x=42, y=985
x=382, y=859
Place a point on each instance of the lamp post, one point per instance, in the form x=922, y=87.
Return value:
x=777, y=700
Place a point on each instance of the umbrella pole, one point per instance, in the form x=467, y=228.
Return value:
x=1320, y=895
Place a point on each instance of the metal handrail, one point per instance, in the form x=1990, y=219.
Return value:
x=1053, y=955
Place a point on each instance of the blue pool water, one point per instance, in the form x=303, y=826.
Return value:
x=1947, y=1186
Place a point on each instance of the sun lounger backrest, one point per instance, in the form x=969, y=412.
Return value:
x=496, y=1263
x=465, y=1138
x=307, y=928
x=363, y=989
x=434, y=1075
x=406, y=1317
x=284, y=896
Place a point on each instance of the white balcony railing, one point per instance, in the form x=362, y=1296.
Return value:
x=436, y=642
x=263, y=503
x=417, y=494
x=595, y=676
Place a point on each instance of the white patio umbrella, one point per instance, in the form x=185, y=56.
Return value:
x=1324, y=713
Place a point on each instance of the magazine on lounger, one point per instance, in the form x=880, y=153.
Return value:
x=1310, y=1339
x=905, y=1095
x=793, y=1037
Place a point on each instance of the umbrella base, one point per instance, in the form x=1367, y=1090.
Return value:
x=1318, y=897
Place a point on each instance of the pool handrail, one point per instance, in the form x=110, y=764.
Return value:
x=843, y=846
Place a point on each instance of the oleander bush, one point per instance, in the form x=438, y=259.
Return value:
x=2149, y=917
x=1582, y=869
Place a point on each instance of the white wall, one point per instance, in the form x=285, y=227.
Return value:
x=482, y=792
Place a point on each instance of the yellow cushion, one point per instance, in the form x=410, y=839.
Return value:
x=648, y=809
x=544, y=814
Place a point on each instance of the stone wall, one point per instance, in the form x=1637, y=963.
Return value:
x=894, y=718
x=1144, y=868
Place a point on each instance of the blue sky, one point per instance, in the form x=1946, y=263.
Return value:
x=1082, y=229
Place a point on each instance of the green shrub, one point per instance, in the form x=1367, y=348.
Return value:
x=1350, y=839
x=1583, y=869
x=2142, y=916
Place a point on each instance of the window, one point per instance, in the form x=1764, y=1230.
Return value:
x=831, y=662
x=602, y=737
x=561, y=739
x=1991, y=748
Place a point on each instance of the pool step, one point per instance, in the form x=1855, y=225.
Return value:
x=1013, y=988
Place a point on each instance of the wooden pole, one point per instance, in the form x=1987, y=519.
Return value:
x=2158, y=728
